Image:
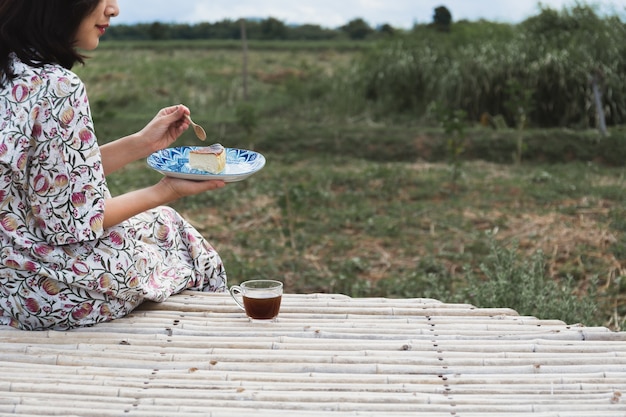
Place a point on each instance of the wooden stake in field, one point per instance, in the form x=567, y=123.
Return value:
x=244, y=41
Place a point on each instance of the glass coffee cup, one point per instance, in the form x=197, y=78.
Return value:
x=260, y=299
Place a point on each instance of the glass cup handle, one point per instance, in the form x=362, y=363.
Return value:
x=234, y=290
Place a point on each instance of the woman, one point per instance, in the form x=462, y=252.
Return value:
x=70, y=254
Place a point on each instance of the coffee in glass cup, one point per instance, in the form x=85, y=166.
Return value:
x=260, y=299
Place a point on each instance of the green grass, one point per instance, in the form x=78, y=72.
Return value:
x=367, y=207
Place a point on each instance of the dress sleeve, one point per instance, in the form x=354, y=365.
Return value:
x=66, y=183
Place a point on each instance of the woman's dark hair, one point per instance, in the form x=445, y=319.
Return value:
x=41, y=32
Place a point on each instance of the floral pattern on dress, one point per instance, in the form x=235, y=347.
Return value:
x=59, y=268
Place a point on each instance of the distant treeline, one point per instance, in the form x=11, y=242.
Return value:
x=265, y=29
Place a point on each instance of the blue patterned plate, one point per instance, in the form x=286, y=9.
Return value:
x=174, y=162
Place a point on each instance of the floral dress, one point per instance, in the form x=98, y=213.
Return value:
x=59, y=268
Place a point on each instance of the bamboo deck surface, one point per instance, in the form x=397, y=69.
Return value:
x=326, y=355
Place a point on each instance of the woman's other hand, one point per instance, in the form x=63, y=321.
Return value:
x=179, y=188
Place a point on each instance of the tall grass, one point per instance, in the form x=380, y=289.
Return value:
x=553, y=55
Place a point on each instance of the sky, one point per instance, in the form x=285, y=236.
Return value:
x=336, y=13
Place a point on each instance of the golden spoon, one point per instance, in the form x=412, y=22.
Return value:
x=200, y=133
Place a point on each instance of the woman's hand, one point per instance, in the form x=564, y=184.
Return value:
x=163, y=130
x=167, y=126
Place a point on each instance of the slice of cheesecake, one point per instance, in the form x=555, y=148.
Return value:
x=211, y=159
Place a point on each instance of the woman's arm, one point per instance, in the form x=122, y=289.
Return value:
x=161, y=132
x=119, y=153
x=125, y=206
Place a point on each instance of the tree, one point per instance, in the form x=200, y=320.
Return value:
x=311, y=32
x=442, y=19
x=387, y=29
x=357, y=29
x=273, y=29
x=157, y=31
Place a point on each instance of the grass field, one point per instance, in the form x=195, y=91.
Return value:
x=329, y=213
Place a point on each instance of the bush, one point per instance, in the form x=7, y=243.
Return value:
x=553, y=55
x=509, y=281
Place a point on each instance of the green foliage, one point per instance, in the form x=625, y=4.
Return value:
x=272, y=28
x=519, y=105
x=157, y=31
x=357, y=29
x=265, y=29
x=511, y=280
x=442, y=19
x=454, y=124
x=519, y=102
x=246, y=117
x=550, y=56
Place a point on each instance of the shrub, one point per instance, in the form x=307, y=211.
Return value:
x=508, y=280
x=552, y=55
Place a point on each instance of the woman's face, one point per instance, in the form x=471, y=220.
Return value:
x=94, y=25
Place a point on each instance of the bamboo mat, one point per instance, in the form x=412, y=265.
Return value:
x=326, y=355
